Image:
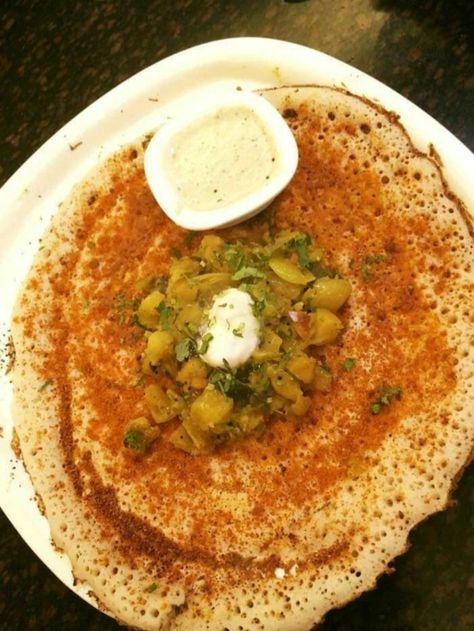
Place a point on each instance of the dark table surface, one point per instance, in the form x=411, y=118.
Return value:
x=58, y=56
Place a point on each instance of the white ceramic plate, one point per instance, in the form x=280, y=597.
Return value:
x=140, y=104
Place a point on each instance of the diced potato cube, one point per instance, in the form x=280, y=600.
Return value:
x=147, y=311
x=184, y=267
x=160, y=346
x=325, y=327
x=139, y=434
x=202, y=439
x=300, y=406
x=284, y=384
x=211, y=248
x=330, y=293
x=269, y=347
x=302, y=367
x=322, y=379
x=163, y=405
x=277, y=403
x=211, y=408
x=193, y=374
x=182, y=440
x=189, y=318
x=248, y=420
x=290, y=272
x=182, y=292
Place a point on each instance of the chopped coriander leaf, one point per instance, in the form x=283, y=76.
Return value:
x=184, y=349
x=258, y=307
x=165, y=314
x=224, y=304
x=367, y=262
x=300, y=246
x=189, y=237
x=45, y=384
x=136, y=321
x=325, y=366
x=239, y=331
x=121, y=305
x=205, y=341
x=386, y=395
x=133, y=439
x=152, y=588
x=248, y=272
x=234, y=256
x=318, y=270
x=349, y=363
x=176, y=252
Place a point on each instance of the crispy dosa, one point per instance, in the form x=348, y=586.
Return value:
x=274, y=531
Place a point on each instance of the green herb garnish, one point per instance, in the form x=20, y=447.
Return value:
x=121, y=304
x=367, y=264
x=349, y=363
x=45, y=384
x=184, y=349
x=189, y=237
x=165, y=314
x=258, y=307
x=248, y=272
x=300, y=246
x=152, y=588
x=234, y=256
x=205, y=341
x=385, y=396
x=134, y=439
x=176, y=252
x=239, y=331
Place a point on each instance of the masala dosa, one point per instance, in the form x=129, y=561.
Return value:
x=272, y=532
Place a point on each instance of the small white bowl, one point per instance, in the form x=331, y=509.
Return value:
x=169, y=145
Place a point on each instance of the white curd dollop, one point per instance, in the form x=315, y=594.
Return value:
x=231, y=332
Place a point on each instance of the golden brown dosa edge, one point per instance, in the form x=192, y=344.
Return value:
x=273, y=532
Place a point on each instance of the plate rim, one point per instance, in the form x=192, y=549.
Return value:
x=450, y=147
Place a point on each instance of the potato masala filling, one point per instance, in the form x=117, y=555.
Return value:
x=233, y=337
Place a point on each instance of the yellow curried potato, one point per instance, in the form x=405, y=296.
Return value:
x=163, y=405
x=193, y=374
x=322, y=379
x=208, y=285
x=189, y=319
x=300, y=406
x=211, y=408
x=182, y=440
x=211, y=248
x=147, y=311
x=302, y=367
x=324, y=327
x=269, y=346
x=289, y=272
x=139, y=434
x=160, y=346
x=182, y=291
x=248, y=419
x=330, y=293
x=184, y=267
x=284, y=384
